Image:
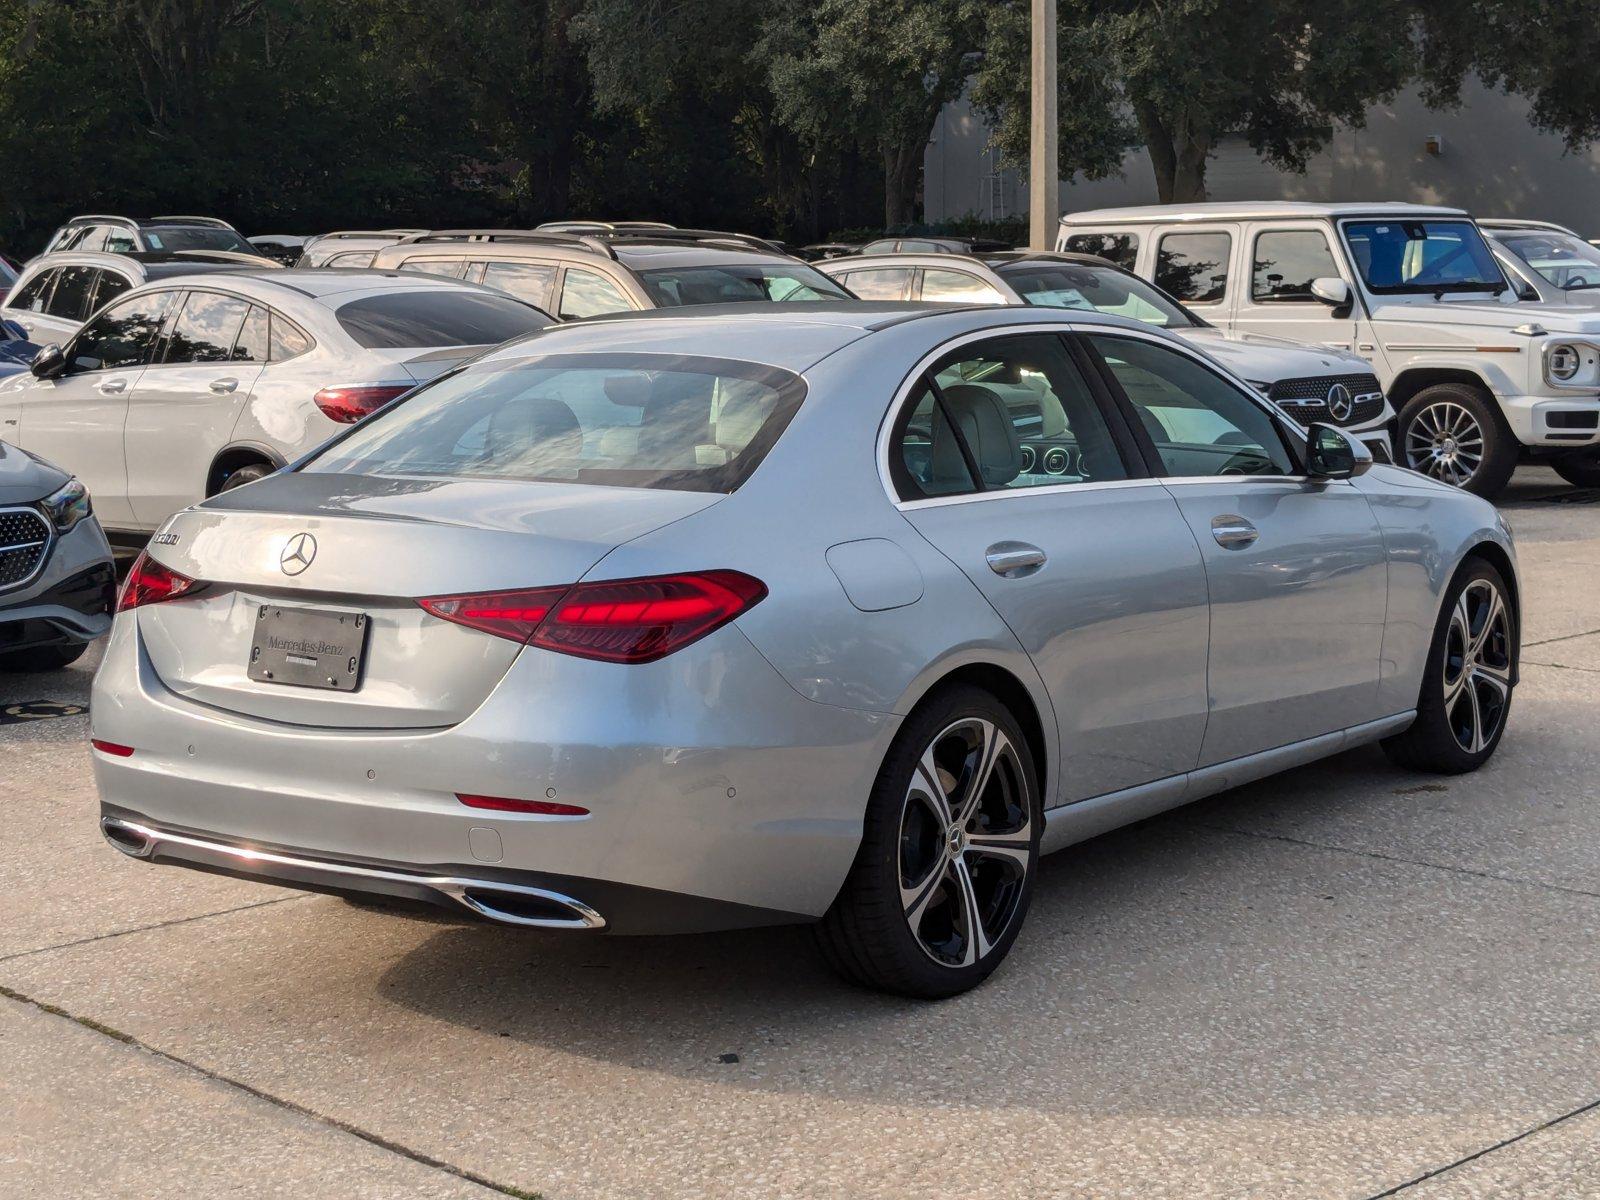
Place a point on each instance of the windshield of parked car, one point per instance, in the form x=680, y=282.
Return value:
x=442, y=317
x=627, y=420
x=1568, y=262
x=1417, y=257
x=1102, y=289
x=196, y=237
x=736, y=283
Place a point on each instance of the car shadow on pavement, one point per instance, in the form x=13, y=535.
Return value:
x=1177, y=962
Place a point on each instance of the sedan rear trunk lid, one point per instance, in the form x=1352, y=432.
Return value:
x=372, y=546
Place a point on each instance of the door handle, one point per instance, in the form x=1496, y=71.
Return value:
x=1013, y=560
x=113, y=387
x=1233, y=532
x=223, y=386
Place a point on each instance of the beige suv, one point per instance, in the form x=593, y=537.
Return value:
x=588, y=274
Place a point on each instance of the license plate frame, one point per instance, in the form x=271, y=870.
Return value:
x=293, y=646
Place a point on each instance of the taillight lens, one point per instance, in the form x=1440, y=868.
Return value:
x=115, y=749
x=348, y=405
x=150, y=583
x=513, y=615
x=614, y=620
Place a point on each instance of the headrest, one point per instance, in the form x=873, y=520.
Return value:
x=986, y=424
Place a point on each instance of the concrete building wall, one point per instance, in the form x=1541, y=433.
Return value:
x=1493, y=164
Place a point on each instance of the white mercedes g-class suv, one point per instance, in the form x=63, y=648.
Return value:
x=1481, y=378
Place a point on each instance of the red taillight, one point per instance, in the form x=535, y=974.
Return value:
x=348, y=405
x=615, y=620
x=115, y=749
x=513, y=615
x=150, y=583
x=545, y=808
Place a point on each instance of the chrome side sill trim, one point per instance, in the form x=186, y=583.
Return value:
x=144, y=841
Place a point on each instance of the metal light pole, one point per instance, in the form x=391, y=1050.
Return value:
x=1044, y=183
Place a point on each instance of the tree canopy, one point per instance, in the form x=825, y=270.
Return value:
x=795, y=117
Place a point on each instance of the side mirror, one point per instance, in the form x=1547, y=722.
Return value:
x=49, y=362
x=1331, y=290
x=1333, y=454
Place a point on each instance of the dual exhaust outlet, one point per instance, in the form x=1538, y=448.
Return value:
x=505, y=903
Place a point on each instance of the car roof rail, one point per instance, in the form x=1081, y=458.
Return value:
x=745, y=241
x=579, y=241
x=365, y=233
x=172, y=218
x=600, y=226
x=100, y=217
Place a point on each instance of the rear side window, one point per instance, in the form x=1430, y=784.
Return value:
x=288, y=339
x=206, y=328
x=885, y=283
x=1120, y=248
x=585, y=294
x=254, y=343
x=455, y=317
x=738, y=283
x=111, y=286
x=525, y=281
x=351, y=258
x=70, y=300
x=957, y=287
x=31, y=296
x=627, y=420
x=1193, y=267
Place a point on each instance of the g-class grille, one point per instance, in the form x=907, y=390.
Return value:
x=1307, y=399
x=24, y=539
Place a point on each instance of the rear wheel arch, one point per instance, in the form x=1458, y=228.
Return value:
x=233, y=458
x=1005, y=687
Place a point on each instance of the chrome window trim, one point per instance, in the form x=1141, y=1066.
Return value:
x=44, y=556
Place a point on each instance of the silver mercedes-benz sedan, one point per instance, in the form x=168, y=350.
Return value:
x=840, y=614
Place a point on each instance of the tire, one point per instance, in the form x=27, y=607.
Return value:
x=1458, y=727
x=1454, y=433
x=43, y=658
x=913, y=859
x=1580, y=470
x=244, y=475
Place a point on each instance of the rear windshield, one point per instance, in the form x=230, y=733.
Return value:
x=437, y=317
x=736, y=283
x=196, y=237
x=628, y=420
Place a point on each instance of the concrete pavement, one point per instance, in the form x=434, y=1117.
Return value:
x=1348, y=981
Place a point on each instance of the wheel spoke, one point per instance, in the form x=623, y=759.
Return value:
x=915, y=899
x=927, y=784
x=995, y=744
x=969, y=918
x=1470, y=695
x=1015, y=848
x=1497, y=679
x=1496, y=611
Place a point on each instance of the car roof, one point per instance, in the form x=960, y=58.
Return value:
x=324, y=283
x=995, y=260
x=643, y=255
x=1513, y=225
x=793, y=336
x=151, y=264
x=1223, y=210
x=149, y=222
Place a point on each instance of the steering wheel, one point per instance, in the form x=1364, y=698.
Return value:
x=1246, y=462
x=1576, y=281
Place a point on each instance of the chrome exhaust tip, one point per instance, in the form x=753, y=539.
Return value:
x=133, y=840
x=534, y=908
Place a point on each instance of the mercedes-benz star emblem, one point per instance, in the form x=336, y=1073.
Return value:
x=298, y=553
x=1340, y=402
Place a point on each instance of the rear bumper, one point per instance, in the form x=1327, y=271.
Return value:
x=718, y=796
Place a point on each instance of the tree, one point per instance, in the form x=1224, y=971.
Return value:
x=1178, y=75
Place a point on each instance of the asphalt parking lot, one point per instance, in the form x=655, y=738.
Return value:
x=1348, y=981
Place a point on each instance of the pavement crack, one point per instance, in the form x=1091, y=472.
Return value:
x=1565, y=637
x=106, y=937
x=277, y=1101
x=1398, y=859
x=1563, y=667
x=1487, y=1150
